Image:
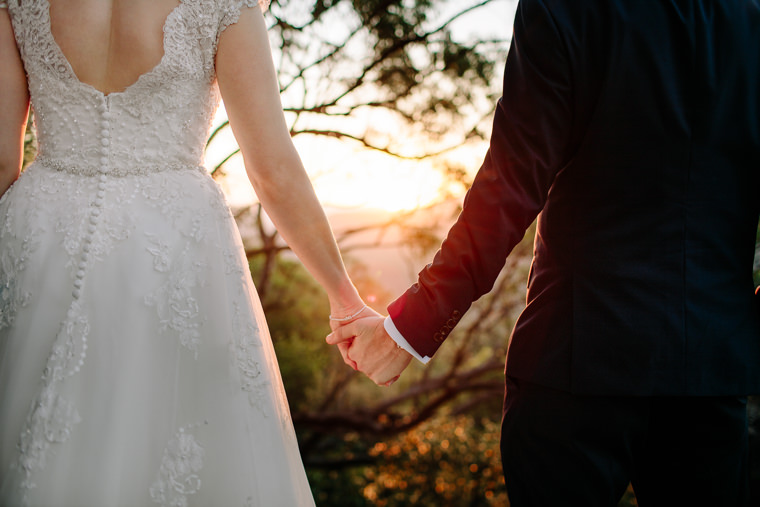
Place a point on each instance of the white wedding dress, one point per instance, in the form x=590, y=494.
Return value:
x=136, y=368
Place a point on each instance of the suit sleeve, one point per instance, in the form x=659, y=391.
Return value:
x=529, y=146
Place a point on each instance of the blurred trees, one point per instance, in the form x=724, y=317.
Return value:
x=444, y=461
x=342, y=60
x=386, y=75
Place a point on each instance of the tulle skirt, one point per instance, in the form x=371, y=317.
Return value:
x=136, y=367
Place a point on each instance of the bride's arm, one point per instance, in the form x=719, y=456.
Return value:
x=249, y=88
x=14, y=105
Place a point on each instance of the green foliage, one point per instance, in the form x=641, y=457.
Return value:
x=423, y=466
x=338, y=476
x=391, y=20
x=296, y=310
x=339, y=59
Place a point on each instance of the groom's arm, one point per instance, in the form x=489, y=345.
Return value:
x=529, y=146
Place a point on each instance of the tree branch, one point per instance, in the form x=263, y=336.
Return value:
x=368, y=144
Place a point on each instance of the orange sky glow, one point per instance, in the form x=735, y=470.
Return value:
x=345, y=175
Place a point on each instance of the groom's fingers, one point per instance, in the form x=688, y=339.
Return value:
x=343, y=348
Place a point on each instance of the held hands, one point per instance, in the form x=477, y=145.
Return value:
x=366, y=346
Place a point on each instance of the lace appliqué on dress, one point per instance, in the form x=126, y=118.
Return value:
x=12, y=296
x=245, y=353
x=52, y=418
x=246, y=350
x=178, y=476
x=14, y=257
x=176, y=300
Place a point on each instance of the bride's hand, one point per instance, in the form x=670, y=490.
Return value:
x=342, y=314
x=345, y=304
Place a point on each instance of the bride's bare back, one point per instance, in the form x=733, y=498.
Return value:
x=110, y=43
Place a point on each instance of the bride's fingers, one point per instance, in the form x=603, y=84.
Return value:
x=341, y=334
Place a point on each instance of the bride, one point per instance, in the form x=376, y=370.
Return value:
x=135, y=364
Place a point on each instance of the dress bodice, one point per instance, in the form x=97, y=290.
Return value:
x=159, y=122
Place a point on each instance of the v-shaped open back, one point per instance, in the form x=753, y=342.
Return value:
x=66, y=62
x=161, y=119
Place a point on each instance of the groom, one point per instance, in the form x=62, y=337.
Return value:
x=632, y=130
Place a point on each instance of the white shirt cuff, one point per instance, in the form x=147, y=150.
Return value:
x=390, y=328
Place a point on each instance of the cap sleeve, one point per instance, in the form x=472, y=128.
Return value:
x=230, y=11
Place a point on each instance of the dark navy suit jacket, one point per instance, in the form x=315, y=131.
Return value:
x=631, y=128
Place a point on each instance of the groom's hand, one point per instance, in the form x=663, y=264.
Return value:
x=366, y=346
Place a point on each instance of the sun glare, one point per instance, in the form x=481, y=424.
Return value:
x=343, y=175
x=352, y=180
x=382, y=184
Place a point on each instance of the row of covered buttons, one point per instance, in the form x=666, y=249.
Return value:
x=447, y=327
x=105, y=141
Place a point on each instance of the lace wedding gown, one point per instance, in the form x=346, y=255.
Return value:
x=135, y=364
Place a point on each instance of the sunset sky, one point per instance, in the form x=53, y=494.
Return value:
x=347, y=176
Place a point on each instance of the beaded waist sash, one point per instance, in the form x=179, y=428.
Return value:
x=114, y=169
